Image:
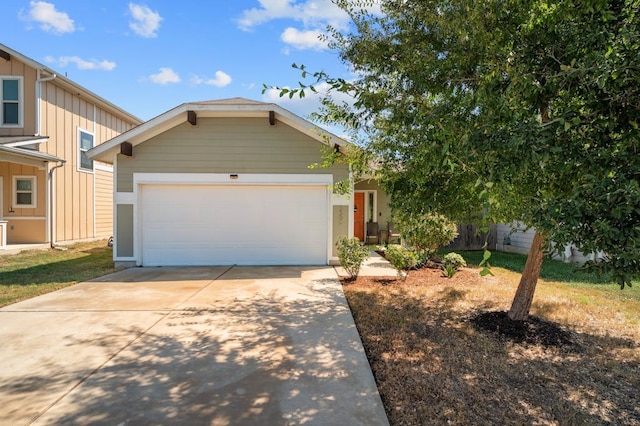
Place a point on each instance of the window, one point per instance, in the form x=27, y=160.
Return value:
x=85, y=143
x=11, y=95
x=24, y=191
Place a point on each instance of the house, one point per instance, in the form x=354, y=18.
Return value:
x=50, y=191
x=229, y=182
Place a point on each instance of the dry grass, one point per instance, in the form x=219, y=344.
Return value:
x=432, y=366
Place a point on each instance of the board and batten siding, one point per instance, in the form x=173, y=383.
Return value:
x=17, y=68
x=76, y=204
x=226, y=145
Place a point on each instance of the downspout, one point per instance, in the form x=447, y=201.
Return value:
x=52, y=203
x=39, y=82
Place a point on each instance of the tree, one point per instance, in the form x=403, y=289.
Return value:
x=523, y=110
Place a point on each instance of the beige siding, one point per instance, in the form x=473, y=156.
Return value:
x=26, y=231
x=225, y=145
x=23, y=223
x=104, y=204
x=63, y=113
x=17, y=68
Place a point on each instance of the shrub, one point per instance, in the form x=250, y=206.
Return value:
x=453, y=260
x=401, y=258
x=351, y=255
x=425, y=232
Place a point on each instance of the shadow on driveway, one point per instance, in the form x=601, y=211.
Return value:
x=246, y=345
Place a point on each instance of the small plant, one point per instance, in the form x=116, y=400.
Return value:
x=351, y=255
x=402, y=259
x=453, y=260
x=448, y=271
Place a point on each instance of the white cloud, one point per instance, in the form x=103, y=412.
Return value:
x=165, y=76
x=145, y=21
x=82, y=64
x=221, y=79
x=307, y=105
x=50, y=19
x=304, y=39
x=313, y=13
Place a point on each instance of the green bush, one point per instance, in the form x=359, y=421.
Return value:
x=425, y=232
x=401, y=258
x=351, y=255
x=453, y=260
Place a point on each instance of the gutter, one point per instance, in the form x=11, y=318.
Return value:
x=39, y=82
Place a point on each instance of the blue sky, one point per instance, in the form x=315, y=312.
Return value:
x=148, y=57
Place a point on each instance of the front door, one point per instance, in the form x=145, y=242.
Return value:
x=358, y=215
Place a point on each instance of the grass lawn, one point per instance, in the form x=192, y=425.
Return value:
x=433, y=365
x=31, y=273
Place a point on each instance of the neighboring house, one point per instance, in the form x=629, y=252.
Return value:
x=517, y=238
x=50, y=191
x=229, y=182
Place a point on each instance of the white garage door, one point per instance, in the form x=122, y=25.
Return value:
x=233, y=225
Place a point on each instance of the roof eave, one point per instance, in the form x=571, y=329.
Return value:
x=107, y=151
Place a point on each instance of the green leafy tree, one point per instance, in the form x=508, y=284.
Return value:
x=523, y=110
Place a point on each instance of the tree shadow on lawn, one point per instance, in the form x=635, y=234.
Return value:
x=433, y=365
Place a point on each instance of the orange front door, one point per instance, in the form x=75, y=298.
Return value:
x=358, y=215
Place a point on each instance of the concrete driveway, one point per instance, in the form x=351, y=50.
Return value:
x=214, y=345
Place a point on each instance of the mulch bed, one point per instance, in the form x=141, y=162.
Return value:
x=535, y=330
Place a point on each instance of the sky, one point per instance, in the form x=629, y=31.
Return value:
x=150, y=56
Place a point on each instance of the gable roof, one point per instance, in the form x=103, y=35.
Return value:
x=232, y=107
x=64, y=82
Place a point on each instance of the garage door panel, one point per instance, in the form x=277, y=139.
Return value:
x=244, y=225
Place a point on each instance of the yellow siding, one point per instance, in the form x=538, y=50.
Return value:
x=104, y=204
x=225, y=145
x=63, y=113
x=17, y=68
x=23, y=231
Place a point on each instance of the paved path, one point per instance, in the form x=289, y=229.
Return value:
x=374, y=266
x=214, y=345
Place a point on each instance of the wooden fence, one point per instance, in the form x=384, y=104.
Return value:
x=469, y=239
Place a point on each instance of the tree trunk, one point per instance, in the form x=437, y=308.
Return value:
x=524, y=295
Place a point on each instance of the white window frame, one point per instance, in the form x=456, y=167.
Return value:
x=80, y=151
x=20, y=101
x=34, y=192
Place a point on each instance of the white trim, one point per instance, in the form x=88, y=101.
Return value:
x=103, y=167
x=340, y=199
x=34, y=192
x=25, y=218
x=79, y=150
x=226, y=179
x=124, y=198
x=20, y=101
